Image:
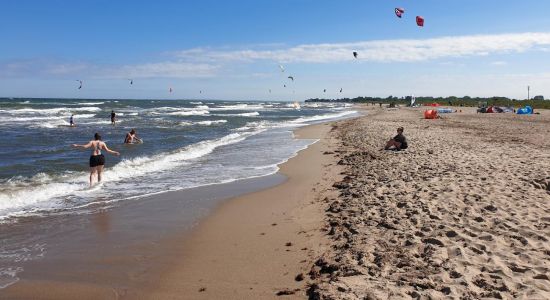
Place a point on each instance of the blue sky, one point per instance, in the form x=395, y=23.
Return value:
x=233, y=49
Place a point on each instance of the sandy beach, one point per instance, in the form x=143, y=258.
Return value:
x=463, y=213
x=261, y=245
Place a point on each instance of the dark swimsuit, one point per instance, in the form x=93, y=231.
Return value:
x=97, y=160
x=402, y=140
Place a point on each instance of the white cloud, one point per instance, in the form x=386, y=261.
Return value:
x=404, y=50
x=499, y=63
x=45, y=68
x=164, y=70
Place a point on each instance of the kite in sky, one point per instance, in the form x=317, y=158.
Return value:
x=290, y=77
x=420, y=21
x=399, y=12
x=282, y=68
x=341, y=90
x=170, y=90
x=354, y=54
x=325, y=90
x=80, y=84
x=131, y=81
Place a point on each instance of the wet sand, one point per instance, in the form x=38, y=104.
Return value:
x=262, y=244
x=115, y=251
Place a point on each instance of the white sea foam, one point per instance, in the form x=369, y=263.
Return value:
x=202, y=123
x=213, y=122
x=50, y=111
x=323, y=117
x=46, y=192
x=250, y=114
x=8, y=276
x=51, y=124
x=189, y=113
x=238, y=107
x=90, y=103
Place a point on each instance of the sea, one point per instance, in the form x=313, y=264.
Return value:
x=186, y=144
x=47, y=206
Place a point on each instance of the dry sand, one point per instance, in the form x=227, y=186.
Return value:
x=464, y=213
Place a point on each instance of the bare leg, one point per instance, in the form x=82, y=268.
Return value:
x=393, y=143
x=92, y=172
x=99, y=171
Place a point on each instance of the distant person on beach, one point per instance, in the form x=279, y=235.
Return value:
x=71, y=121
x=398, y=142
x=113, y=117
x=97, y=160
x=131, y=137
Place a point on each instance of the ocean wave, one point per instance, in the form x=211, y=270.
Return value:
x=89, y=103
x=50, y=111
x=45, y=192
x=323, y=117
x=51, y=124
x=189, y=113
x=8, y=276
x=250, y=114
x=202, y=123
x=238, y=107
x=213, y=122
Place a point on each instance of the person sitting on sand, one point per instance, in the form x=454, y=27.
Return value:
x=398, y=142
x=97, y=160
x=131, y=137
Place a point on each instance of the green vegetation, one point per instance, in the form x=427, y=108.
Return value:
x=455, y=101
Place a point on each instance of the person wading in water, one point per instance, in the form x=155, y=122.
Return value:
x=97, y=160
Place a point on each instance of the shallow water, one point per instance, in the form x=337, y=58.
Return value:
x=186, y=144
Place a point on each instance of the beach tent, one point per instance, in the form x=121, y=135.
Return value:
x=430, y=114
x=527, y=110
x=482, y=110
x=489, y=110
x=445, y=110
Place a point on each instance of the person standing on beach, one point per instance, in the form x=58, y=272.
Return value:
x=71, y=120
x=97, y=160
x=398, y=142
x=113, y=117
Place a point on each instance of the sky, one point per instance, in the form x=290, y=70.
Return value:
x=234, y=50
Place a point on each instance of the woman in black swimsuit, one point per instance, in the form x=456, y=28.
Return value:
x=97, y=160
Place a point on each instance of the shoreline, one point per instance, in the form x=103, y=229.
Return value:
x=110, y=228
x=260, y=244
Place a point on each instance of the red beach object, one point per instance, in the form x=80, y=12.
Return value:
x=430, y=114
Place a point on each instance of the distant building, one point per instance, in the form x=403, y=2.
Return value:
x=539, y=97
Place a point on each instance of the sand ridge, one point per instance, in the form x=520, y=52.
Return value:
x=463, y=213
